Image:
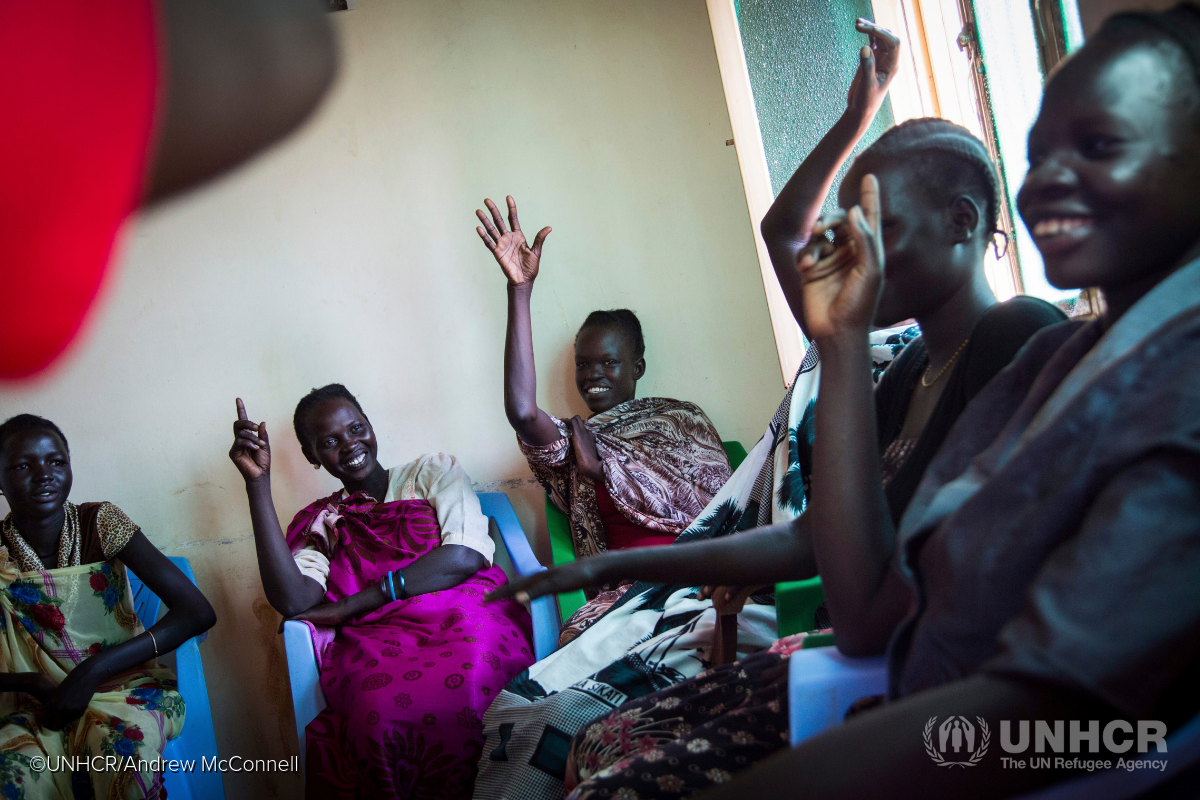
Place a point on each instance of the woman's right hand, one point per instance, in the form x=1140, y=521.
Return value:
x=518, y=260
x=842, y=279
x=251, y=450
x=581, y=573
x=876, y=70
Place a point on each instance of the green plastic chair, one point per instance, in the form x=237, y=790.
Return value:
x=796, y=604
x=562, y=551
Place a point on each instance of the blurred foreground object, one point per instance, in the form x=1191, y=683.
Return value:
x=112, y=106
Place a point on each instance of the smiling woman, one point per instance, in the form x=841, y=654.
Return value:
x=638, y=471
x=390, y=572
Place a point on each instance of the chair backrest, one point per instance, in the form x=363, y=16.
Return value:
x=147, y=604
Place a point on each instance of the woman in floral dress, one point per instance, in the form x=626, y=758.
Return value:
x=79, y=676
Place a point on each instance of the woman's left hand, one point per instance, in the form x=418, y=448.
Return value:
x=67, y=702
x=587, y=457
x=842, y=280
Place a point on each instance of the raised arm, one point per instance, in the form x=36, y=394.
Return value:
x=519, y=262
x=788, y=224
x=853, y=537
x=754, y=558
x=288, y=591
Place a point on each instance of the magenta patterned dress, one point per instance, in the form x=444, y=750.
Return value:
x=407, y=684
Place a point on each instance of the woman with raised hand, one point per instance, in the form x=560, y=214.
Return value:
x=79, y=676
x=638, y=470
x=389, y=572
x=942, y=210
x=1065, y=504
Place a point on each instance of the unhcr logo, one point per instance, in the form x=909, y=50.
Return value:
x=956, y=741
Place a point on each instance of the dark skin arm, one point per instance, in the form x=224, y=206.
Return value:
x=188, y=614
x=788, y=225
x=888, y=750
x=767, y=555
x=295, y=595
x=240, y=75
x=520, y=263
x=853, y=536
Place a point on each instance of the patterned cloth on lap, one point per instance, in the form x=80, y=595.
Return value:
x=53, y=620
x=655, y=635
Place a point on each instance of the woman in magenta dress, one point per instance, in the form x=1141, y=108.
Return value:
x=390, y=571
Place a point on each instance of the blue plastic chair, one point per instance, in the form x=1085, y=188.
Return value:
x=823, y=683
x=515, y=558
x=199, y=738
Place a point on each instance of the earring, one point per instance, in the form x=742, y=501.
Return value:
x=316, y=466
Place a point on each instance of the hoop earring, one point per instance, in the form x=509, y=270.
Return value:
x=995, y=246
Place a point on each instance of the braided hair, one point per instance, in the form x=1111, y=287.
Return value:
x=1180, y=26
x=29, y=422
x=333, y=391
x=621, y=318
x=937, y=151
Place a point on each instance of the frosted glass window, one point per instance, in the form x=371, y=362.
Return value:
x=1009, y=47
x=802, y=56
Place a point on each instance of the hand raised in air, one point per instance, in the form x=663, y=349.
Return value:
x=251, y=450
x=876, y=69
x=518, y=260
x=842, y=279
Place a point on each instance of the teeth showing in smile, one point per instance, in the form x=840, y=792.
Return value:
x=597, y=390
x=1054, y=227
x=357, y=461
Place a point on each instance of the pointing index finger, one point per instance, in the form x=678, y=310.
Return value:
x=870, y=201
x=241, y=409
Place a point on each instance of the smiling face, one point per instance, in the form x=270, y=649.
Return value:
x=340, y=439
x=35, y=473
x=1109, y=197
x=926, y=256
x=606, y=368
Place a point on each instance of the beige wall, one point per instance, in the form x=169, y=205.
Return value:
x=349, y=254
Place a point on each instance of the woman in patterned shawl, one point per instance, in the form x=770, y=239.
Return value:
x=390, y=571
x=79, y=676
x=638, y=471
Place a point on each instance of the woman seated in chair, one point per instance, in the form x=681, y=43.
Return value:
x=638, y=470
x=942, y=199
x=390, y=571
x=79, y=676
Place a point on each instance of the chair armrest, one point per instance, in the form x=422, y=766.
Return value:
x=796, y=604
x=307, y=698
x=822, y=685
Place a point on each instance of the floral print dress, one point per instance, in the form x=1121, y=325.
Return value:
x=53, y=620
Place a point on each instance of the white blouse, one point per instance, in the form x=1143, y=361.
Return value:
x=437, y=478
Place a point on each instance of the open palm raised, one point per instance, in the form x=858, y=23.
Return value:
x=514, y=255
